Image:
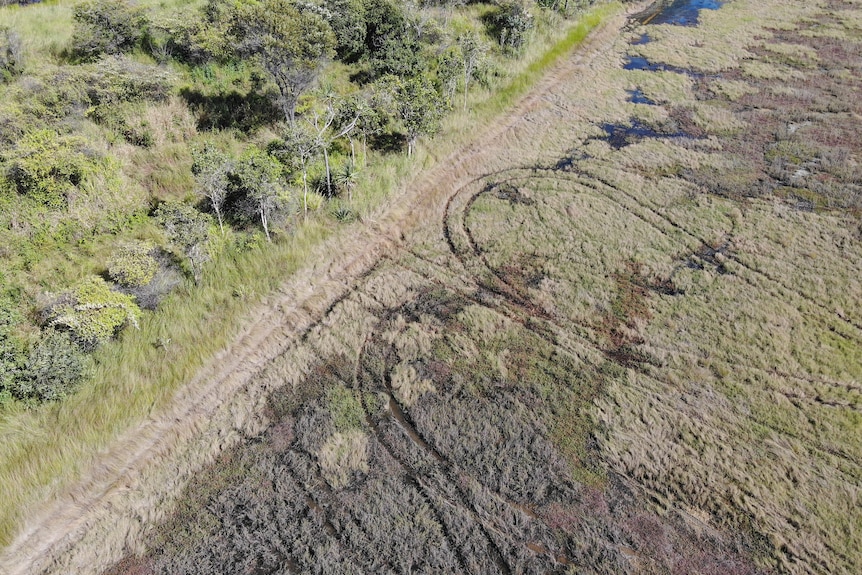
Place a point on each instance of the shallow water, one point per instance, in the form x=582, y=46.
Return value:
x=642, y=39
x=641, y=63
x=622, y=135
x=685, y=12
x=678, y=12
x=636, y=96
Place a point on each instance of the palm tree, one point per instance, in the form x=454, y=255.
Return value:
x=346, y=179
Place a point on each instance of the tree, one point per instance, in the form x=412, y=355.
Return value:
x=347, y=19
x=11, y=54
x=188, y=230
x=297, y=148
x=369, y=120
x=327, y=123
x=392, y=45
x=419, y=107
x=511, y=22
x=449, y=64
x=107, y=27
x=212, y=170
x=289, y=43
x=257, y=176
x=472, y=55
x=92, y=312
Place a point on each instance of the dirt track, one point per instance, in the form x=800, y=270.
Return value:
x=93, y=524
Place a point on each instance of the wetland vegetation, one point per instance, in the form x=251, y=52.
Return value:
x=621, y=332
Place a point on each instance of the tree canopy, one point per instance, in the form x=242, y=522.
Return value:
x=290, y=42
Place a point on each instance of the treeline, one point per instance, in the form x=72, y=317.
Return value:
x=289, y=100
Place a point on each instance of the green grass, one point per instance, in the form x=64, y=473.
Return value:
x=44, y=449
x=47, y=27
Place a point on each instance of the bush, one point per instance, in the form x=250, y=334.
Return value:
x=107, y=27
x=188, y=230
x=92, y=312
x=133, y=264
x=53, y=369
x=47, y=167
x=510, y=24
x=118, y=79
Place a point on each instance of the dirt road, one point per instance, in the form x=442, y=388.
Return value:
x=96, y=522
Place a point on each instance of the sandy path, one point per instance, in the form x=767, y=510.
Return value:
x=93, y=524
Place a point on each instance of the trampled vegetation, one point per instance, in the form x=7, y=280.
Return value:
x=632, y=344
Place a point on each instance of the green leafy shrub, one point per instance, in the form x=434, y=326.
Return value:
x=345, y=408
x=47, y=167
x=133, y=264
x=53, y=369
x=120, y=79
x=107, y=27
x=92, y=312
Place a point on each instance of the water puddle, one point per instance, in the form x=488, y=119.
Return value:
x=677, y=12
x=640, y=40
x=641, y=63
x=622, y=135
x=636, y=96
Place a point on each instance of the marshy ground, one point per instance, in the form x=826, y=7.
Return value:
x=625, y=336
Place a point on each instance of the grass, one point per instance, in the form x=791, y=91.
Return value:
x=45, y=449
x=47, y=27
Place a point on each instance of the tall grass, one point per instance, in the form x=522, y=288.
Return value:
x=44, y=449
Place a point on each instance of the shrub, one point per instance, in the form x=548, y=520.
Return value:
x=107, y=27
x=133, y=264
x=188, y=230
x=53, y=369
x=119, y=79
x=510, y=24
x=92, y=312
x=345, y=408
x=46, y=167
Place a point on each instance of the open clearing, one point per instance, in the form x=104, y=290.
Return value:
x=609, y=337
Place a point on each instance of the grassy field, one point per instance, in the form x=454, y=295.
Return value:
x=629, y=343
x=46, y=449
